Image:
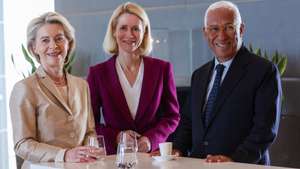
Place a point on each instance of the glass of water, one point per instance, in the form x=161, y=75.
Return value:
x=127, y=150
x=98, y=142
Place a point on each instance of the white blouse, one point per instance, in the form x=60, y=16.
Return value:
x=132, y=93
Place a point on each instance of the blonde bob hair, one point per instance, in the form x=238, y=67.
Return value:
x=50, y=18
x=110, y=45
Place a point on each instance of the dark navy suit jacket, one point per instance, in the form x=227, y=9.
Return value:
x=158, y=94
x=246, y=114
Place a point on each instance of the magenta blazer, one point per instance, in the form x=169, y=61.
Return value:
x=158, y=94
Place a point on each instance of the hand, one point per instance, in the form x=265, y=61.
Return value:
x=96, y=152
x=79, y=154
x=129, y=135
x=144, y=144
x=175, y=152
x=217, y=158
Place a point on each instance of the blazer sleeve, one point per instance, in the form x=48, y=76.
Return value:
x=110, y=134
x=266, y=119
x=170, y=111
x=23, y=114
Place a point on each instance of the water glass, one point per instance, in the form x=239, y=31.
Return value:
x=127, y=150
x=98, y=142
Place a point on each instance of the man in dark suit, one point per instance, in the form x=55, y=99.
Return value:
x=234, y=105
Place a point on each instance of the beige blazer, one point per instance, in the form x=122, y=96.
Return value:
x=44, y=124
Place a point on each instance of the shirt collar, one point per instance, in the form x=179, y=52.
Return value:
x=226, y=64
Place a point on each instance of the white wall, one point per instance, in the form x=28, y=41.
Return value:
x=17, y=14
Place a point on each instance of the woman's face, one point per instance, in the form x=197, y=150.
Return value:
x=51, y=45
x=129, y=33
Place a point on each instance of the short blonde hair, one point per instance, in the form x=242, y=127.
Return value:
x=110, y=45
x=50, y=18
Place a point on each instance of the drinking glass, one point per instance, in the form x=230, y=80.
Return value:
x=127, y=150
x=98, y=142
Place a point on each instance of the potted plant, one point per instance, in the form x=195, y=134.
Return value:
x=280, y=60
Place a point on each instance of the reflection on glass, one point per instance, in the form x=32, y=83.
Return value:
x=126, y=153
x=98, y=142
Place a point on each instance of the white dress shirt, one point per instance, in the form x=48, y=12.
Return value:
x=227, y=65
x=132, y=93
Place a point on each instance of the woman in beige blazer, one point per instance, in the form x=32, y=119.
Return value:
x=50, y=110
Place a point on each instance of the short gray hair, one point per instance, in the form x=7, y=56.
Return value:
x=50, y=18
x=224, y=4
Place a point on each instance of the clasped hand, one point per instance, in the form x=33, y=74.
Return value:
x=83, y=154
x=217, y=158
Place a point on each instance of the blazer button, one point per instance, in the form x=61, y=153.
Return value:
x=205, y=143
x=72, y=134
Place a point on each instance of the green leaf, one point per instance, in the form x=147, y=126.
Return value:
x=250, y=48
x=12, y=59
x=13, y=62
x=33, y=69
x=258, y=52
x=275, y=58
x=68, y=66
x=282, y=64
x=29, y=59
x=23, y=75
x=266, y=55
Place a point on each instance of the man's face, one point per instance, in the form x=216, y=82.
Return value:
x=223, y=33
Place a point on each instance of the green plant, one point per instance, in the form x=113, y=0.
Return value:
x=28, y=58
x=68, y=66
x=280, y=60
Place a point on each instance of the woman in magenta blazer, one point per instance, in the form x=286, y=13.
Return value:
x=134, y=93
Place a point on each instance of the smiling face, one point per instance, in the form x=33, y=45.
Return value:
x=223, y=33
x=51, y=45
x=129, y=33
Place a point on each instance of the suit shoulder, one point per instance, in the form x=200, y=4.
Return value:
x=24, y=88
x=260, y=63
x=101, y=66
x=78, y=81
x=26, y=83
x=76, y=78
x=199, y=70
x=155, y=60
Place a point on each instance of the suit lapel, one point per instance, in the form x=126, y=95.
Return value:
x=53, y=93
x=115, y=89
x=232, y=78
x=150, y=79
x=73, y=94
